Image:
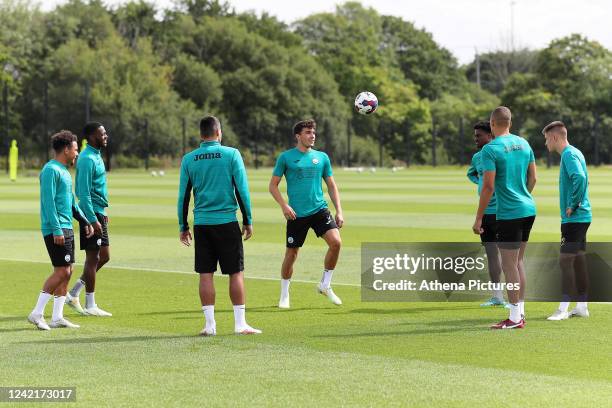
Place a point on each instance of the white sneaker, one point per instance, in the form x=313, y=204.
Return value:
x=208, y=331
x=96, y=311
x=38, y=321
x=330, y=295
x=63, y=323
x=246, y=330
x=579, y=312
x=558, y=315
x=283, y=303
x=74, y=304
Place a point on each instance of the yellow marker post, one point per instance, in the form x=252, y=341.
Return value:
x=13, y=156
x=83, y=144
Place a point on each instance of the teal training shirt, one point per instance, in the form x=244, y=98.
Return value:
x=574, y=186
x=304, y=173
x=509, y=157
x=57, y=202
x=476, y=176
x=91, y=183
x=217, y=176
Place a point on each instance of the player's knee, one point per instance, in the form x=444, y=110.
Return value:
x=335, y=244
x=103, y=259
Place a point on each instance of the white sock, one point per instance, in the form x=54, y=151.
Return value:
x=90, y=300
x=239, y=318
x=563, y=306
x=515, y=312
x=581, y=305
x=326, y=279
x=285, y=287
x=43, y=298
x=522, y=307
x=209, y=316
x=58, y=307
x=498, y=294
x=76, y=289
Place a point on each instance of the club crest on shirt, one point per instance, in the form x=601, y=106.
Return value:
x=315, y=161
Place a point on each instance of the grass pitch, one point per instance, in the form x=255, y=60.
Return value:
x=359, y=354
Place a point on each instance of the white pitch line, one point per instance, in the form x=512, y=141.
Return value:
x=132, y=268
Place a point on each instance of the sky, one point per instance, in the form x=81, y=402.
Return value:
x=461, y=26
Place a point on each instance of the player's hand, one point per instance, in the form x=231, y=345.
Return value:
x=339, y=219
x=89, y=231
x=247, y=231
x=58, y=239
x=568, y=212
x=289, y=213
x=186, y=237
x=477, y=227
x=97, y=227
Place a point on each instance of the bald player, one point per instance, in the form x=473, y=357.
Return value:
x=509, y=171
x=576, y=217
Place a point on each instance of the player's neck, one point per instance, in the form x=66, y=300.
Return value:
x=562, y=145
x=302, y=148
x=60, y=158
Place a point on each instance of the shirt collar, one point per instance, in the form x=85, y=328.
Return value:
x=92, y=148
x=209, y=143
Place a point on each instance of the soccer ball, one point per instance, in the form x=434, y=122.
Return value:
x=366, y=103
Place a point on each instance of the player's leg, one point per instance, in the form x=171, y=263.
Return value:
x=206, y=264
x=228, y=242
x=509, y=243
x=62, y=257
x=525, y=230
x=581, y=273
x=295, y=236
x=489, y=241
x=325, y=227
x=286, y=274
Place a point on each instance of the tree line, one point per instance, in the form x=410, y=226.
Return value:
x=149, y=74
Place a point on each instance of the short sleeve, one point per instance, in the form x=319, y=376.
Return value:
x=327, y=169
x=280, y=167
x=487, y=158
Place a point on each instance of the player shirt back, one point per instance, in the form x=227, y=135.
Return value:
x=509, y=156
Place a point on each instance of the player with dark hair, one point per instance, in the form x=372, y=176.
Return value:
x=576, y=218
x=93, y=200
x=304, y=168
x=482, y=136
x=509, y=171
x=57, y=207
x=217, y=176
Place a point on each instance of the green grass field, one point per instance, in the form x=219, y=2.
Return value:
x=359, y=354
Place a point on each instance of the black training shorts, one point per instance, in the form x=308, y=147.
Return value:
x=297, y=229
x=61, y=255
x=220, y=243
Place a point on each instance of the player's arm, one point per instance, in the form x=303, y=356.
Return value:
x=472, y=173
x=578, y=183
x=48, y=181
x=277, y=174
x=78, y=215
x=488, y=186
x=332, y=189
x=184, y=196
x=84, y=178
x=241, y=191
x=531, y=176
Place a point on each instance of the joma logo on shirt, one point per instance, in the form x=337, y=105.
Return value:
x=513, y=148
x=205, y=156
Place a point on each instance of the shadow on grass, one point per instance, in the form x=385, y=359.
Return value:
x=13, y=318
x=407, y=310
x=111, y=339
x=415, y=332
x=20, y=329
